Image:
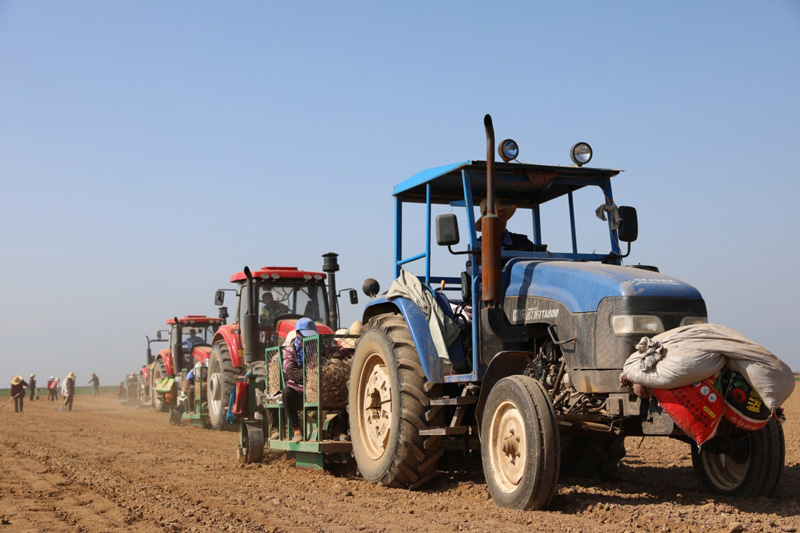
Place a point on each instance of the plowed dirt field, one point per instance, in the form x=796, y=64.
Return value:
x=110, y=467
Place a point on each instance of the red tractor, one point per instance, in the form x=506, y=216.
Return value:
x=190, y=340
x=269, y=301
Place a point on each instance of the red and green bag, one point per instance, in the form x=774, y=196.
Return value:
x=697, y=408
x=743, y=405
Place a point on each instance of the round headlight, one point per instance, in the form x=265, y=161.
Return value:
x=508, y=150
x=581, y=154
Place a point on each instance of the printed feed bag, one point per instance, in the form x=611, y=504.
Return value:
x=696, y=408
x=743, y=405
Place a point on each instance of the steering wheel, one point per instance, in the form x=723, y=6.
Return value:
x=285, y=316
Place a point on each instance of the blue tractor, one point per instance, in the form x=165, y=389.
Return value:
x=531, y=369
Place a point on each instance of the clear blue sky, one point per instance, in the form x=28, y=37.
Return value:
x=150, y=149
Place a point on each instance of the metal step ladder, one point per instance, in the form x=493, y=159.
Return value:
x=455, y=428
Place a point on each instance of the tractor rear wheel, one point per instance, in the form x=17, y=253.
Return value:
x=222, y=376
x=388, y=407
x=751, y=468
x=520, y=444
x=259, y=370
x=159, y=373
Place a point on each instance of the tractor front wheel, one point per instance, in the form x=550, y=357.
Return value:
x=520, y=444
x=222, y=376
x=388, y=407
x=751, y=466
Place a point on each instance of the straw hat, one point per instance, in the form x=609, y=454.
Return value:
x=290, y=337
x=498, y=205
x=71, y=375
x=33, y=375
x=355, y=331
x=16, y=380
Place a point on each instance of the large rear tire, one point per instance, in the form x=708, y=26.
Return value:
x=159, y=372
x=520, y=444
x=222, y=376
x=751, y=469
x=388, y=407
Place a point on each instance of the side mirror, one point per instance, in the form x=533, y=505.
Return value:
x=628, y=230
x=371, y=287
x=219, y=297
x=353, y=296
x=447, y=230
x=158, y=335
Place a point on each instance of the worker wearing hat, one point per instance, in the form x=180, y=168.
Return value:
x=32, y=387
x=347, y=343
x=95, y=383
x=293, y=364
x=70, y=392
x=18, y=392
x=293, y=371
x=509, y=240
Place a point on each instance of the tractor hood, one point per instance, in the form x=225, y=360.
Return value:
x=582, y=286
x=201, y=353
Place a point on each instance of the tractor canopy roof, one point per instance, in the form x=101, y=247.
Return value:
x=279, y=272
x=524, y=185
x=196, y=320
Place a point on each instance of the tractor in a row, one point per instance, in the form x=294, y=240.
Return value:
x=269, y=301
x=519, y=353
x=189, y=348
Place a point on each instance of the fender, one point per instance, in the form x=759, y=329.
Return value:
x=421, y=334
x=166, y=356
x=229, y=334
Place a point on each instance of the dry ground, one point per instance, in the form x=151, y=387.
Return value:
x=109, y=467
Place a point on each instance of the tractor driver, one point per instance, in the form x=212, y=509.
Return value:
x=194, y=339
x=271, y=309
x=509, y=240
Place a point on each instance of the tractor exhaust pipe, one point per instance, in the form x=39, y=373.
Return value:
x=177, y=349
x=490, y=228
x=149, y=351
x=330, y=266
x=250, y=321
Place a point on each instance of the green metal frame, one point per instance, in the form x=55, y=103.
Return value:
x=310, y=452
x=198, y=416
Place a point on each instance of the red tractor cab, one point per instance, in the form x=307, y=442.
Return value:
x=269, y=301
x=190, y=341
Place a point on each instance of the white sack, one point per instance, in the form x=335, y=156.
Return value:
x=688, y=354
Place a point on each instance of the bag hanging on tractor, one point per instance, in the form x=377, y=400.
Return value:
x=240, y=403
x=164, y=385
